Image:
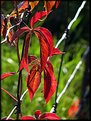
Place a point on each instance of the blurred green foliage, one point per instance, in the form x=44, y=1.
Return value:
x=76, y=45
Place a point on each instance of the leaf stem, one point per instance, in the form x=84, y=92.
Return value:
x=19, y=94
x=19, y=88
x=9, y=94
x=17, y=49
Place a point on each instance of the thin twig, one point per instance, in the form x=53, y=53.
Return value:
x=59, y=72
x=71, y=23
x=9, y=94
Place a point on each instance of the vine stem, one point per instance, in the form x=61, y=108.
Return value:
x=19, y=88
x=18, y=95
x=71, y=77
x=59, y=76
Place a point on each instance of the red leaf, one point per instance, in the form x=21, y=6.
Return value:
x=74, y=108
x=56, y=51
x=49, y=116
x=48, y=5
x=37, y=17
x=33, y=4
x=5, y=25
x=24, y=62
x=19, y=32
x=3, y=76
x=57, y=3
x=27, y=118
x=22, y=6
x=33, y=80
x=40, y=116
x=44, y=51
x=49, y=82
x=37, y=113
x=31, y=58
x=46, y=44
x=47, y=36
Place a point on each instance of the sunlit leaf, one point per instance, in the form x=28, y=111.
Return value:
x=27, y=118
x=19, y=32
x=49, y=116
x=46, y=44
x=74, y=108
x=48, y=5
x=47, y=36
x=33, y=80
x=37, y=17
x=23, y=5
x=33, y=4
x=58, y=3
x=23, y=64
x=40, y=116
x=37, y=113
x=24, y=61
x=5, y=25
x=49, y=82
x=31, y=58
x=5, y=75
x=56, y=51
x=44, y=51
